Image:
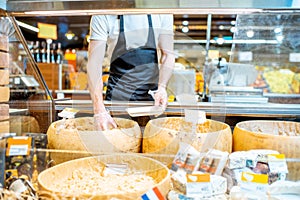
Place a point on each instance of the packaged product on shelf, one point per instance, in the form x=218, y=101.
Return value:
x=266, y=162
x=193, y=185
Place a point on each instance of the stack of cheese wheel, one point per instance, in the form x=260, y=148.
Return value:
x=87, y=178
x=4, y=82
x=282, y=136
x=163, y=136
x=76, y=138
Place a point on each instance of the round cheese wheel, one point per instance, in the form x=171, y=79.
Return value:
x=75, y=170
x=76, y=138
x=163, y=136
x=281, y=136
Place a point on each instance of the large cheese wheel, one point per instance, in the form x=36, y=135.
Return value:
x=163, y=136
x=136, y=164
x=77, y=138
x=282, y=136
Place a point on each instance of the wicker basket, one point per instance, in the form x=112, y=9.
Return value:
x=282, y=136
x=135, y=162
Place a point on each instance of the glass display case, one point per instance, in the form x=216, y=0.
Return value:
x=29, y=102
x=230, y=91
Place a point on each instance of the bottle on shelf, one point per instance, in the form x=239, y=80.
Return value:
x=37, y=52
x=59, y=54
x=53, y=53
x=44, y=52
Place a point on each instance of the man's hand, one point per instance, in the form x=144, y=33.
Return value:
x=161, y=97
x=103, y=121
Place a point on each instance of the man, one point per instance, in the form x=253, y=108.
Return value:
x=132, y=43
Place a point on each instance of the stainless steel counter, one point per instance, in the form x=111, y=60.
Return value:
x=272, y=110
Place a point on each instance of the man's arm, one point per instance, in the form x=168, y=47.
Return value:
x=167, y=62
x=96, y=54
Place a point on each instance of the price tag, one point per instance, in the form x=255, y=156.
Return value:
x=254, y=182
x=294, y=57
x=277, y=163
x=18, y=146
x=198, y=186
x=194, y=116
x=245, y=56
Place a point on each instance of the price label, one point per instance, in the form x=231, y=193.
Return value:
x=245, y=56
x=294, y=57
x=254, y=182
x=198, y=186
x=18, y=146
x=277, y=163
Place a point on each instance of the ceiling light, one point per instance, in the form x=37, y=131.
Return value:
x=250, y=33
x=220, y=40
x=70, y=35
x=221, y=27
x=185, y=29
x=185, y=22
x=277, y=30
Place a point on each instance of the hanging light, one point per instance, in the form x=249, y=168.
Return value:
x=69, y=35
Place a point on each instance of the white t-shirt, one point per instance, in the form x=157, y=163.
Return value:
x=107, y=28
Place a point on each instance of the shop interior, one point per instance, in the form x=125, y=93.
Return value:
x=238, y=69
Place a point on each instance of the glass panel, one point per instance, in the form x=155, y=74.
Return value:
x=23, y=89
x=269, y=42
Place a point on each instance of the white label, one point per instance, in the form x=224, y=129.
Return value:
x=60, y=95
x=294, y=57
x=16, y=150
x=277, y=164
x=197, y=189
x=113, y=168
x=245, y=56
x=194, y=116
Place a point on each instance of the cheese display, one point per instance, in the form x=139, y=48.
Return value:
x=79, y=135
x=85, y=178
x=281, y=136
x=163, y=136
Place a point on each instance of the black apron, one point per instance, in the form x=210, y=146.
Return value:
x=133, y=72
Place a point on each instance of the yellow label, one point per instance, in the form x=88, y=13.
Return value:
x=255, y=178
x=200, y=178
x=47, y=31
x=18, y=146
x=274, y=157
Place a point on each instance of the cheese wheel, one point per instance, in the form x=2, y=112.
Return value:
x=3, y=42
x=281, y=136
x=23, y=124
x=4, y=94
x=4, y=77
x=4, y=112
x=4, y=127
x=136, y=165
x=163, y=136
x=77, y=138
x=4, y=60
